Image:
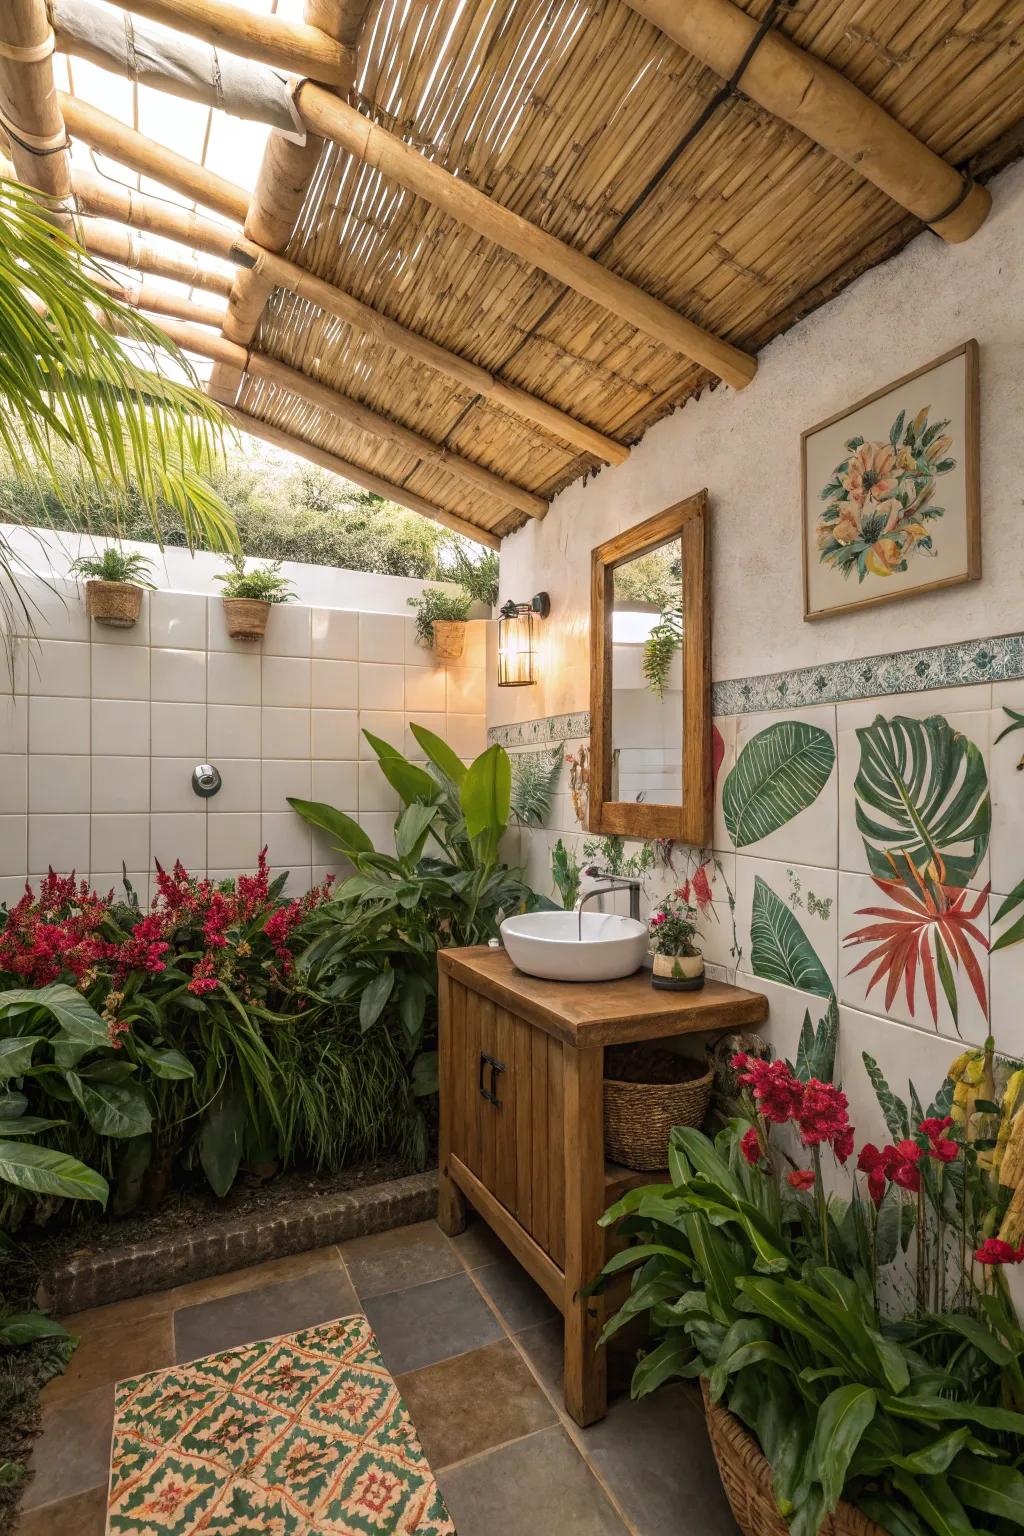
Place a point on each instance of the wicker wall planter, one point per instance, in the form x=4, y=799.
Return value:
x=117, y=604
x=449, y=639
x=747, y=1479
x=639, y=1114
x=246, y=617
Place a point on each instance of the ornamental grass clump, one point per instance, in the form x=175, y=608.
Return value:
x=868, y=1340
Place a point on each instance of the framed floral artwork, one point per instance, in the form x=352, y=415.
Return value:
x=891, y=491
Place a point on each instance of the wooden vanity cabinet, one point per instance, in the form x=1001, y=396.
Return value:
x=522, y=1120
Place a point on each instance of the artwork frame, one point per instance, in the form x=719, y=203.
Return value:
x=828, y=562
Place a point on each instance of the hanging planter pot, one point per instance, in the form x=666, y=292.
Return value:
x=246, y=617
x=116, y=604
x=449, y=639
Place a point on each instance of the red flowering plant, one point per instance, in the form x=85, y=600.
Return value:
x=775, y=1265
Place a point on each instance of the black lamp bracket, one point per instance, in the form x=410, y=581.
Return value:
x=540, y=604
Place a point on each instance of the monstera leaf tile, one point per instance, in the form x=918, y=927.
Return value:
x=897, y=960
x=1006, y=769
x=1006, y=969
x=779, y=797
x=902, y=1054
x=915, y=782
x=788, y=924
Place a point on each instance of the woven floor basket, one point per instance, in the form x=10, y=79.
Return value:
x=747, y=1480
x=246, y=617
x=114, y=603
x=639, y=1116
x=449, y=639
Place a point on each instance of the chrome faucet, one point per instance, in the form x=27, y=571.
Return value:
x=611, y=883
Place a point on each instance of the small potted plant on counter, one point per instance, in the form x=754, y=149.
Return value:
x=441, y=619
x=678, y=963
x=113, y=591
x=249, y=595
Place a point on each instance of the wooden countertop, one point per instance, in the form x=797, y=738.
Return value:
x=602, y=1012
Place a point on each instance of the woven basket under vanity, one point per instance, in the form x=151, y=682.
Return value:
x=639, y=1114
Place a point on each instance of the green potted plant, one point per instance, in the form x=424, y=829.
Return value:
x=678, y=963
x=113, y=592
x=250, y=594
x=441, y=619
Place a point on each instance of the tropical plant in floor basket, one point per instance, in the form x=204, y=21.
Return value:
x=871, y=1365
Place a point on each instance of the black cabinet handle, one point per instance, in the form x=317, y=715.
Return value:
x=496, y=1066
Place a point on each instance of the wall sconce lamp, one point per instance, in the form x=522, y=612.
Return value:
x=517, y=651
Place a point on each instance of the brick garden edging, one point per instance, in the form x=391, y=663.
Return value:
x=175, y=1258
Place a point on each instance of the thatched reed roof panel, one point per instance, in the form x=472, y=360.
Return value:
x=570, y=113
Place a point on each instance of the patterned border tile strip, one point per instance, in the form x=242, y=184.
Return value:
x=996, y=660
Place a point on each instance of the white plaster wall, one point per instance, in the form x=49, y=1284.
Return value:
x=745, y=448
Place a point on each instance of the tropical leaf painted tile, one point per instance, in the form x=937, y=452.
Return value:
x=778, y=773
x=780, y=949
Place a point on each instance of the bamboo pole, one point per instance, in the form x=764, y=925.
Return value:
x=107, y=200
x=29, y=108
x=816, y=99
x=258, y=365
x=401, y=162
x=341, y=19
x=290, y=45
x=111, y=242
x=370, y=482
x=158, y=300
x=134, y=149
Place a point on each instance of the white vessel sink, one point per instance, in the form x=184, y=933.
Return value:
x=574, y=946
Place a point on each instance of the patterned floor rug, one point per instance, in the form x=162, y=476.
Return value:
x=304, y=1435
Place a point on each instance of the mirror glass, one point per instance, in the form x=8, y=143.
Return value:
x=647, y=677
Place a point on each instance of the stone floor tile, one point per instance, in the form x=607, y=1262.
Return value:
x=656, y=1458
x=263, y=1313
x=544, y=1344
x=109, y=1351
x=478, y=1245
x=85, y=1514
x=392, y=1261
x=467, y=1405
x=517, y=1297
x=72, y=1455
x=539, y=1486
x=431, y=1322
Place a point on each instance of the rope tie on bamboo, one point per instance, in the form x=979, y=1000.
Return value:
x=966, y=188
x=30, y=53
x=34, y=143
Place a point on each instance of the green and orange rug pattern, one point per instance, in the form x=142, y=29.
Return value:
x=304, y=1435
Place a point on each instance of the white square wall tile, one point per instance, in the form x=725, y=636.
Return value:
x=181, y=836
x=281, y=779
x=13, y=783
x=285, y=733
x=379, y=827
x=287, y=838
x=335, y=634
x=233, y=678
x=905, y=1056
x=58, y=725
x=119, y=672
x=121, y=726
x=233, y=841
x=756, y=793
x=381, y=685
x=389, y=726
x=14, y=848
x=375, y=793
x=436, y=723
x=112, y=880
x=14, y=718
x=298, y=880
x=57, y=607
x=288, y=630
x=57, y=783
x=417, y=655
x=474, y=652
x=60, y=842
x=178, y=730
x=335, y=733
x=171, y=784
x=59, y=668
x=466, y=734
x=178, y=677
x=12, y=889
x=797, y=921
x=120, y=784
x=120, y=839
x=336, y=784
x=382, y=637
x=232, y=730
x=14, y=666
x=335, y=684
x=425, y=690
x=240, y=785
x=466, y=691
x=178, y=620
x=285, y=682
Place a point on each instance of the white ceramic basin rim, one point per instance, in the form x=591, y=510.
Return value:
x=574, y=946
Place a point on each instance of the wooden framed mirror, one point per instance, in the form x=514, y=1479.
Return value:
x=650, y=679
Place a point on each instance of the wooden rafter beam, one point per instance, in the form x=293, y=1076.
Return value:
x=28, y=99
x=398, y=161
x=106, y=200
x=290, y=45
x=370, y=482
x=194, y=338
x=815, y=98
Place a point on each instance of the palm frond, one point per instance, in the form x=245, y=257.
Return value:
x=534, y=776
